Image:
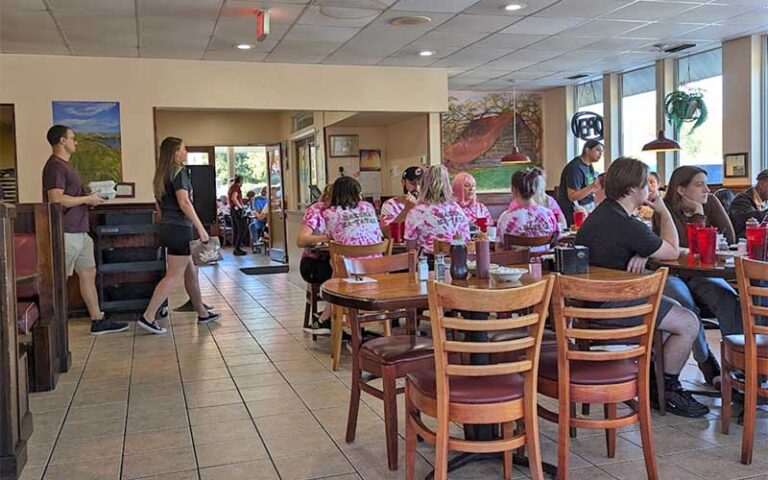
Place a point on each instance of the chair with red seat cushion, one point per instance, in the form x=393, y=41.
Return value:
x=747, y=352
x=491, y=393
x=28, y=314
x=582, y=375
x=25, y=250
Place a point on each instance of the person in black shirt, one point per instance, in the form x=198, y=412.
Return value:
x=620, y=241
x=750, y=203
x=173, y=190
x=577, y=181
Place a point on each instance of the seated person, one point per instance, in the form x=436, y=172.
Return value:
x=726, y=197
x=527, y=218
x=259, y=212
x=349, y=219
x=618, y=240
x=542, y=198
x=751, y=203
x=644, y=211
x=396, y=209
x=465, y=193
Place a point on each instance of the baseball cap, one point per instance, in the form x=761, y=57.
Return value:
x=413, y=173
x=762, y=175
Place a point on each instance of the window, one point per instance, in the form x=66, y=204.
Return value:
x=638, y=114
x=704, y=147
x=589, y=98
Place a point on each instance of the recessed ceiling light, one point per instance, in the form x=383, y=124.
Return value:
x=426, y=53
x=409, y=20
x=513, y=7
x=244, y=46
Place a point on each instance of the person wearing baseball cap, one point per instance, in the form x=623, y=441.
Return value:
x=577, y=180
x=751, y=203
x=396, y=209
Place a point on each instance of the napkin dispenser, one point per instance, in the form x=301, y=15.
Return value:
x=571, y=260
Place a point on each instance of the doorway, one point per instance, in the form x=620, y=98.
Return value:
x=8, y=183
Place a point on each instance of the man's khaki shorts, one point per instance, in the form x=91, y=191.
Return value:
x=78, y=250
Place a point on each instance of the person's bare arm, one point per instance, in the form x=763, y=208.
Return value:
x=182, y=196
x=57, y=195
x=576, y=195
x=306, y=237
x=670, y=246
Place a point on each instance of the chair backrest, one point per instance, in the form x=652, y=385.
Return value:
x=748, y=273
x=339, y=251
x=514, y=256
x=442, y=246
x=371, y=266
x=645, y=292
x=532, y=298
x=511, y=241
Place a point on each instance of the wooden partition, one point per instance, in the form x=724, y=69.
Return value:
x=15, y=417
x=50, y=340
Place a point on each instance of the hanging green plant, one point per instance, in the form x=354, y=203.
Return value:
x=685, y=107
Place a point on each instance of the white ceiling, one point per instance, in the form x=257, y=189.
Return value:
x=484, y=47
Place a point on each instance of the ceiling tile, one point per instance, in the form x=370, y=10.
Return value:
x=234, y=55
x=543, y=25
x=435, y=39
x=232, y=31
x=368, y=4
x=506, y=64
x=294, y=46
x=113, y=6
x=35, y=47
x=403, y=61
x=582, y=8
x=563, y=43
x=650, y=11
x=754, y=19
x=100, y=50
x=21, y=5
x=278, y=12
x=530, y=54
x=444, y=6
x=184, y=53
x=289, y=57
x=509, y=41
x=27, y=26
x=338, y=16
x=342, y=58
x=181, y=8
x=312, y=33
x=494, y=7
x=476, y=23
x=662, y=30
x=715, y=32
x=711, y=13
x=618, y=44
x=164, y=24
x=603, y=28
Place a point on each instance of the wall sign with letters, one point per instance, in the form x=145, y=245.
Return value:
x=587, y=126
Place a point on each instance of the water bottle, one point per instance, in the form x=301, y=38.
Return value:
x=440, y=267
x=423, y=269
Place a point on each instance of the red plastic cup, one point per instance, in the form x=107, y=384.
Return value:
x=756, y=237
x=578, y=217
x=707, y=239
x=396, y=231
x=690, y=232
x=482, y=223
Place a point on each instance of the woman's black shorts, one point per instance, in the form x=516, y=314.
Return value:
x=175, y=238
x=315, y=270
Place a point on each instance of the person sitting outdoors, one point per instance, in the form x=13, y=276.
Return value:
x=751, y=203
x=465, y=193
x=577, y=181
x=618, y=240
x=527, y=218
x=316, y=267
x=396, y=209
x=437, y=216
x=258, y=215
x=688, y=200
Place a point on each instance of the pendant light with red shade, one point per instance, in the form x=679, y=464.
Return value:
x=516, y=156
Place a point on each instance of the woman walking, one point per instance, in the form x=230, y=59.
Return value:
x=172, y=188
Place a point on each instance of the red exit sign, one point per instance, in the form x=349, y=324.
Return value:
x=262, y=24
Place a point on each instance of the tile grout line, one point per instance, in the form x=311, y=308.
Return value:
x=127, y=402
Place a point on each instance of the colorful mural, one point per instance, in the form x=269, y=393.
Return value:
x=478, y=132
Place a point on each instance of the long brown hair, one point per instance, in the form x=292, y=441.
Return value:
x=528, y=182
x=681, y=177
x=167, y=168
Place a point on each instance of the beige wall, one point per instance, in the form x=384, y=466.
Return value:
x=212, y=128
x=407, y=144
x=374, y=138
x=556, y=148
x=31, y=82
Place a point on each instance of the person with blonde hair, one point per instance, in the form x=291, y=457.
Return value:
x=465, y=193
x=437, y=215
x=173, y=188
x=527, y=218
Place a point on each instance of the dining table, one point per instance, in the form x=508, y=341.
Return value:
x=689, y=266
x=393, y=291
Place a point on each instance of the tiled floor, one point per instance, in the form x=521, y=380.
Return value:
x=252, y=397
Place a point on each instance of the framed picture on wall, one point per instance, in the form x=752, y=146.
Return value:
x=736, y=165
x=126, y=190
x=343, y=146
x=370, y=160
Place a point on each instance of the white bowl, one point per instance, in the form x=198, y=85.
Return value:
x=472, y=266
x=508, y=274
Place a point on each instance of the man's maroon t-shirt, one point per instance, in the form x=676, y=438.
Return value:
x=60, y=174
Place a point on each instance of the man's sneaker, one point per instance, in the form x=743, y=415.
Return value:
x=211, y=317
x=239, y=252
x=711, y=370
x=151, y=327
x=681, y=402
x=319, y=328
x=102, y=327
x=188, y=307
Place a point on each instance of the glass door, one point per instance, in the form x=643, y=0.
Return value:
x=278, y=243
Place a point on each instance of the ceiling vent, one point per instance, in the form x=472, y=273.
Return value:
x=577, y=76
x=409, y=21
x=669, y=48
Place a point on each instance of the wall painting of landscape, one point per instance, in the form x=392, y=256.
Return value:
x=478, y=131
x=97, y=129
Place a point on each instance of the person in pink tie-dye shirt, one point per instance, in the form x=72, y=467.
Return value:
x=396, y=209
x=465, y=193
x=528, y=219
x=350, y=220
x=437, y=216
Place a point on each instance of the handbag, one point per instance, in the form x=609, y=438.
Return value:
x=205, y=253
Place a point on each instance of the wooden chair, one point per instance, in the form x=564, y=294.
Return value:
x=515, y=256
x=608, y=377
x=512, y=241
x=442, y=246
x=495, y=393
x=338, y=252
x=747, y=352
x=388, y=358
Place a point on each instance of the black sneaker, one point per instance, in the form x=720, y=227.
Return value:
x=711, y=370
x=188, y=307
x=153, y=327
x=239, y=252
x=102, y=327
x=319, y=328
x=211, y=317
x=680, y=402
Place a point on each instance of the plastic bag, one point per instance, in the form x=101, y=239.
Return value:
x=206, y=253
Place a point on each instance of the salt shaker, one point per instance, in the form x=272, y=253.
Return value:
x=423, y=269
x=440, y=267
